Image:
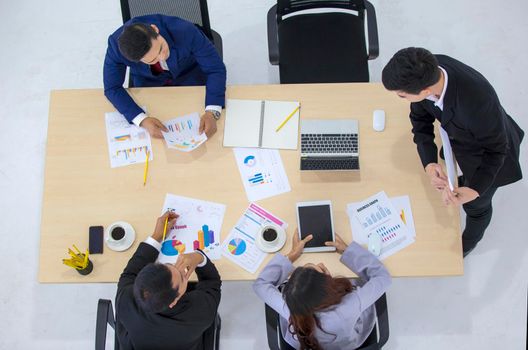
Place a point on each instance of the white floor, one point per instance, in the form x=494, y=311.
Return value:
x=60, y=44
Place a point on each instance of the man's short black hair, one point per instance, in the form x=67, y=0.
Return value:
x=136, y=40
x=411, y=70
x=153, y=289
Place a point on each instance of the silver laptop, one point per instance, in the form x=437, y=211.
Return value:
x=330, y=144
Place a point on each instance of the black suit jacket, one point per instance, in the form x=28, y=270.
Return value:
x=484, y=139
x=179, y=328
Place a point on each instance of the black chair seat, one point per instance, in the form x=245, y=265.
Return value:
x=322, y=48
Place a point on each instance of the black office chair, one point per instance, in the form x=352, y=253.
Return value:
x=194, y=11
x=377, y=338
x=105, y=317
x=320, y=47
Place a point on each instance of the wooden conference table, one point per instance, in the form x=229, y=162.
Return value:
x=82, y=190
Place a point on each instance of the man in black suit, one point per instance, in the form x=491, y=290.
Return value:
x=484, y=139
x=155, y=308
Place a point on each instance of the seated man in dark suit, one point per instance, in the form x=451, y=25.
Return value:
x=163, y=51
x=485, y=140
x=155, y=309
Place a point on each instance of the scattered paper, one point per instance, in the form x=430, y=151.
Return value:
x=262, y=172
x=127, y=143
x=198, y=227
x=240, y=246
x=184, y=133
x=378, y=215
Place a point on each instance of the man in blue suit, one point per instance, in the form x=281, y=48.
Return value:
x=163, y=51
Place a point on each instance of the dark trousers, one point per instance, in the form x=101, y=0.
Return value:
x=478, y=217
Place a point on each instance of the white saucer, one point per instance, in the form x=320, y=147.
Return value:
x=123, y=244
x=277, y=245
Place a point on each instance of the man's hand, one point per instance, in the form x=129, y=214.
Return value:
x=187, y=263
x=459, y=196
x=154, y=127
x=160, y=224
x=207, y=124
x=339, y=244
x=437, y=176
x=297, y=246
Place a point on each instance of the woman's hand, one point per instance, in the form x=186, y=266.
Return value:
x=297, y=246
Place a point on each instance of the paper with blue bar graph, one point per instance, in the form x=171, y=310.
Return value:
x=378, y=215
x=127, y=143
x=262, y=172
x=197, y=227
x=183, y=133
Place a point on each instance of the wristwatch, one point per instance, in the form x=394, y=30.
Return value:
x=216, y=114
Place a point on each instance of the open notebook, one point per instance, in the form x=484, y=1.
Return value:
x=252, y=123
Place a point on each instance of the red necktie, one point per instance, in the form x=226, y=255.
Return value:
x=156, y=68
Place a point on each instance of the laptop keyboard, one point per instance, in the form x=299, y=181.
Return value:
x=323, y=163
x=329, y=143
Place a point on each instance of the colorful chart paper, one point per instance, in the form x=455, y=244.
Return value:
x=240, y=246
x=127, y=143
x=262, y=172
x=384, y=217
x=237, y=246
x=172, y=247
x=183, y=133
x=198, y=227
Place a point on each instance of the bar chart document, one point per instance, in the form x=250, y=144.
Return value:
x=377, y=215
x=183, y=133
x=262, y=172
x=127, y=143
x=197, y=227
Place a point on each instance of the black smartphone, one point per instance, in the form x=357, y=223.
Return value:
x=96, y=239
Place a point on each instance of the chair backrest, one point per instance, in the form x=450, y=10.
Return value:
x=330, y=32
x=285, y=7
x=105, y=317
x=194, y=11
x=377, y=338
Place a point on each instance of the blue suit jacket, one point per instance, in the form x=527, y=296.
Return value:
x=193, y=60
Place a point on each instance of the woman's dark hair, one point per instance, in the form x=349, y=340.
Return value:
x=306, y=292
x=411, y=70
x=136, y=40
x=153, y=289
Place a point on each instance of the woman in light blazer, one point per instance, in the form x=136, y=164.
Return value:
x=319, y=311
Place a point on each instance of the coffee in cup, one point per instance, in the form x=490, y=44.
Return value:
x=269, y=235
x=117, y=233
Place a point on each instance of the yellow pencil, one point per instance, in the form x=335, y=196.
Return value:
x=165, y=228
x=77, y=249
x=287, y=118
x=146, y=169
x=402, y=215
x=85, y=262
x=71, y=264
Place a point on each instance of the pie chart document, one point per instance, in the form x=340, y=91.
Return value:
x=240, y=247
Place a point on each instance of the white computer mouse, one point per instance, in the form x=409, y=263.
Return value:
x=374, y=243
x=378, y=120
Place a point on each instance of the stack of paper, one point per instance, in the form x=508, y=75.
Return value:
x=198, y=227
x=127, y=143
x=240, y=246
x=183, y=133
x=391, y=219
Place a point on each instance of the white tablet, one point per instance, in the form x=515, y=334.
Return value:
x=315, y=218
